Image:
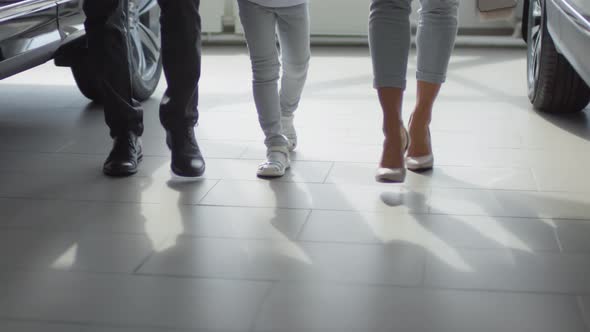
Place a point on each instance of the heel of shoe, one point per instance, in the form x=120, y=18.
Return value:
x=405, y=139
x=390, y=175
x=420, y=164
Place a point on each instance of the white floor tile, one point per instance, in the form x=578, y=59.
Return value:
x=545, y=204
x=23, y=326
x=465, y=202
x=23, y=143
x=434, y=232
x=162, y=303
x=567, y=178
x=528, y=204
x=243, y=223
x=100, y=188
x=317, y=196
x=584, y=303
x=72, y=251
x=512, y=270
x=392, y=264
x=573, y=235
x=306, y=307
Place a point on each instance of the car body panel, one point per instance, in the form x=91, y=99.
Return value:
x=29, y=34
x=71, y=17
x=570, y=30
x=582, y=6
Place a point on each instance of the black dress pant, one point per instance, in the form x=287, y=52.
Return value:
x=109, y=45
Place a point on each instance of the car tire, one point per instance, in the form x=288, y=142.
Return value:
x=524, y=26
x=145, y=50
x=87, y=78
x=553, y=84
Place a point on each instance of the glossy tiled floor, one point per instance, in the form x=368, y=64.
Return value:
x=496, y=238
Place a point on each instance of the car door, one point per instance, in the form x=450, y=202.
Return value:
x=27, y=27
x=582, y=6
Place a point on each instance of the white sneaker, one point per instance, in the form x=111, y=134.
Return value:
x=289, y=131
x=276, y=164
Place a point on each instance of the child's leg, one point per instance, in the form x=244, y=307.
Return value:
x=293, y=28
x=259, y=26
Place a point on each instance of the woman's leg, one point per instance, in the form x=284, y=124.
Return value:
x=259, y=26
x=389, y=38
x=435, y=40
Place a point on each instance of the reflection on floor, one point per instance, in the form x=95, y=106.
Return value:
x=496, y=238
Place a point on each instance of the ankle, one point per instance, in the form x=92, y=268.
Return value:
x=422, y=116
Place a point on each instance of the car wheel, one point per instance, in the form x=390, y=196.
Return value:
x=145, y=49
x=553, y=84
x=524, y=26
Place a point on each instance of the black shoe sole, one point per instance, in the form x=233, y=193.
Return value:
x=182, y=174
x=120, y=173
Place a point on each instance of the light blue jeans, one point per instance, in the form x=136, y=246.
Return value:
x=261, y=26
x=390, y=39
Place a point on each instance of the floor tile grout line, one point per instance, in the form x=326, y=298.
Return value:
x=144, y=261
x=354, y=283
x=165, y=238
x=8, y=196
x=303, y=225
x=332, y=165
x=287, y=180
x=84, y=326
x=208, y=191
x=570, y=294
x=120, y=202
x=298, y=240
x=76, y=324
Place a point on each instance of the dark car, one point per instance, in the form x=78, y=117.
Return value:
x=33, y=32
x=558, y=37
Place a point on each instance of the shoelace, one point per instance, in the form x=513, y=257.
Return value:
x=123, y=145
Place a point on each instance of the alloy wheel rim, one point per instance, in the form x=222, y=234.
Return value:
x=535, y=39
x=145, y=38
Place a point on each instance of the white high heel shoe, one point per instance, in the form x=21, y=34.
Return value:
x=394, y=175
x=421, y=163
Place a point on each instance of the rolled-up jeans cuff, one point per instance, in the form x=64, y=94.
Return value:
x=390, y=82
x=276, y=140
x=431, y=77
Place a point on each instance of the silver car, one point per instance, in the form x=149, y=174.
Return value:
x=558, y=36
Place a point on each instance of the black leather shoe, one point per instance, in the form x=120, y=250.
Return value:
x=187, y=160
x=125, y=156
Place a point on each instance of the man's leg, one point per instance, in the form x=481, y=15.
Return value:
x=181, y=55
x=106, y=29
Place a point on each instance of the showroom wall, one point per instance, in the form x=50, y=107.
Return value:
x=333, y=17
